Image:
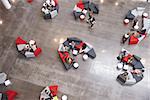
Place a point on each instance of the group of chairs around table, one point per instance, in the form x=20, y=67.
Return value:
x=50, y=9
x=4, y=82
x=70, y=48
x=83, y=7
x=50, y=93
x=28, y=49
x=143, y=30
x=132, y=68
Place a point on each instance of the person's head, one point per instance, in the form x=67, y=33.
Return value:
x=137, y=71
x=143, y=31
x=84, y=46
x=26, y=47
x=126, y=74
x=69, y=60
x=128, y=33
x=32, y=42
x=91, y=12
x=73, y=43
x=66, y=48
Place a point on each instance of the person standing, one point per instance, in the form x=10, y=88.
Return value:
x=91, y=20
x=125, y=37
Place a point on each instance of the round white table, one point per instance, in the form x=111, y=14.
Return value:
x=82, y=17
x=75, y=52
x=75, y=65
x=119, y=66
x=125, y=67
x=85, y=57
x=64, y=97
x=145, y=15
x=126, y=21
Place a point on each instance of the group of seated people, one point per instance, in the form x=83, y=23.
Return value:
x=83, y=7
x=71, y=48
x=134, y=37
x=27, y=49
x=133, y=14
x=9, y=94
x=140, y=23
x=137, y=37
x=49, y=93
x=134, y=68
x=50, y=9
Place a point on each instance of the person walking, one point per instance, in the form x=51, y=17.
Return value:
x=91, y=20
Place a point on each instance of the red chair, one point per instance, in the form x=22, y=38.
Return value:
x=126, y=58
x=11, y=94
x=56, y=2
x=19, y=40
x=63, y=55
x=54, y=90
x=37, y=51
x=20, y=43
x=133, y=40
x=29, y=1
x=80, y=5
x=79, y=46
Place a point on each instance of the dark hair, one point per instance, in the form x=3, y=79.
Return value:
x=84, y=46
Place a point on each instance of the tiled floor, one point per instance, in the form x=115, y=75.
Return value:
x=94, y=79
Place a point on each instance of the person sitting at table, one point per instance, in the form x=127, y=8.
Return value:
x=135, y=24
x=127, y=58
x=137, y=74
x=32, y=45
x=143, y=32
x=130, y=79
x=65, y=56
x=72, y=45
x=136, y=71
x=27, y=48
x=45, y=10
x=80, y=47
x=69, y=60
x=50, y=4
x=122, y=55
x=130, y=60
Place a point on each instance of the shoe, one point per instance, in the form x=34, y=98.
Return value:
x=87, y=21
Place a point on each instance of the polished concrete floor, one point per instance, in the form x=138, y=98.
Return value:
x=94, y=79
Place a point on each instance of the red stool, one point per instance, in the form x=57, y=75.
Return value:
x=11, y=94
x=82, y=17
x=54, y=90
x=126, y=21
x=29, y=1
x=37, y=51
x=19, y=40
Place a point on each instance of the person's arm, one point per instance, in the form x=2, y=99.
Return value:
x=130, y=79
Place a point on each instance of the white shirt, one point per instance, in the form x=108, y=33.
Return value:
x=126, y=35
